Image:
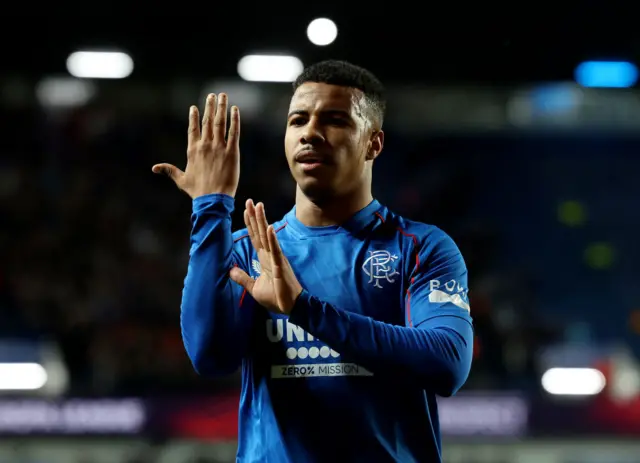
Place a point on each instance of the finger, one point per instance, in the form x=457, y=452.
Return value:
x=220, y=121
x=234, y=128
x=261, y=218
x=277, y=256
x=251, y=211
x=170, y=171
x=255, y=240
x=242, y=278
x=207, y=118
x=193, y=134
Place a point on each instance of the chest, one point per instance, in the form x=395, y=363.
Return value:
x=364, y=277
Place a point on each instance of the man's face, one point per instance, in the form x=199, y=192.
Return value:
x=329, y=139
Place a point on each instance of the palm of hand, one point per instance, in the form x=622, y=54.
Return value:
x=276, y=287
x=264, y=290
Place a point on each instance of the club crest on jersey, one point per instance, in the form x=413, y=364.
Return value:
x=255, y=265
x=380, y=268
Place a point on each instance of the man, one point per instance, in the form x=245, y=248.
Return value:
x=347, y=319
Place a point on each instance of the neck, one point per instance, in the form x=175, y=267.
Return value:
x=334, y=211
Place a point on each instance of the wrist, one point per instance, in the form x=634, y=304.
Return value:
x=219, y=205
x=295, y=300
x=213, y=194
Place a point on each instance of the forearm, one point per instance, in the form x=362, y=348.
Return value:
x=212, y=325
x=437, y=354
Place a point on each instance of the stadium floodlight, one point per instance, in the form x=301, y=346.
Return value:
x=573, y=381
x=607, y=74
x=22, y=376
x=322, y=31
x=99, y=64
x=269, y=68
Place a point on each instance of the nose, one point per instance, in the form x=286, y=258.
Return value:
x=311, y=135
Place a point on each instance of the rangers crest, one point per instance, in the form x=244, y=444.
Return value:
x=256, y=266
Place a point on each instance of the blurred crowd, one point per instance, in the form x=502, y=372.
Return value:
x=94, y=247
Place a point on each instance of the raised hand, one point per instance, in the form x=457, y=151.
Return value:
x=277, y=287
x=213, y=163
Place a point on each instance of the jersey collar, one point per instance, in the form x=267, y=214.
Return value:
x=358, y=222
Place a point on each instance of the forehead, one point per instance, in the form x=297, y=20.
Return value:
x=314, y=97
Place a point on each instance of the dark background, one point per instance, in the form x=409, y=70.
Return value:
x=93, y=246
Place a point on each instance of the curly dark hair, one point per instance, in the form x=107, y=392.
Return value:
x=345, y=74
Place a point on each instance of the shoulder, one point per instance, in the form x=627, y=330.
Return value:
x=431, y=244
x=242, y=244
x=426, y=237
x=241, y=237
x=280, y=227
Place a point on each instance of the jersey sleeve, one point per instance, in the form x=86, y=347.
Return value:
x=438, y=283
x=215, y=326
x=433, y=349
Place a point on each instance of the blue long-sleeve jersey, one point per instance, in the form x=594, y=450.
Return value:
x=381, y=328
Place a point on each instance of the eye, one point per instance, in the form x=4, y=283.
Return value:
x=337, y=121
x=297, y=121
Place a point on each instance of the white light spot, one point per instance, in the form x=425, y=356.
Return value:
x=322, y=31
x=99, y=64
x=573, y=381
x=269, y=68
x=22, y=376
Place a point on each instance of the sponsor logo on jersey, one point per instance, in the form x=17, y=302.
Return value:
x=318, y=369
x=306, y=356
x=443, y=292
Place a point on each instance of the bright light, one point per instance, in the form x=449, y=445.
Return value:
x=22, y=376
x=59, y=92
x=99, y=64
x=573, y=381
x=607, y=74
x=269, y=68
x=322, y=31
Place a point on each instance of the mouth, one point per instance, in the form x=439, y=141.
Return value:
x=312, y=157
x=311, y=166
x=310, y=160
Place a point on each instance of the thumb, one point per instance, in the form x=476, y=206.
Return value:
x=169, y=170
x=242, y=278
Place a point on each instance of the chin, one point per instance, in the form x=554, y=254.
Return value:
x=316, y=189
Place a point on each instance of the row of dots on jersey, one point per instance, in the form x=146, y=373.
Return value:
x=312, y=352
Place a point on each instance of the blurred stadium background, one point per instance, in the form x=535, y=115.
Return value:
x=520, y=140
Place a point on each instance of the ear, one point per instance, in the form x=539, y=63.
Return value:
x=376, y=143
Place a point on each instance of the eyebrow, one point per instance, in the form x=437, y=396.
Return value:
x=334, y=112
